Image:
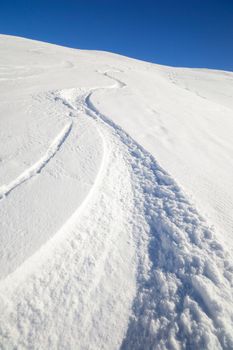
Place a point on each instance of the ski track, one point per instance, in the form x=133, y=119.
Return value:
x=184, y=276
x=37, y=167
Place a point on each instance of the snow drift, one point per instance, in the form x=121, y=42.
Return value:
x=115, y=202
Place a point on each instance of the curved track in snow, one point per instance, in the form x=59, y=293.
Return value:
x=181, y=292
x=135, y=268
x=40, y=164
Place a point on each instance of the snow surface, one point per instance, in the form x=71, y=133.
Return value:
x=116, y=202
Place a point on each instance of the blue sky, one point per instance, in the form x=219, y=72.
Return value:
x=192, y=33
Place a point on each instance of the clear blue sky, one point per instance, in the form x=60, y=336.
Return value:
x=193, y=33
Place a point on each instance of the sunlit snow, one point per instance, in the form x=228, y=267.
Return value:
x=116, y=202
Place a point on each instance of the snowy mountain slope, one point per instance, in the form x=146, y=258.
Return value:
x=100, y=247
x=191, y=136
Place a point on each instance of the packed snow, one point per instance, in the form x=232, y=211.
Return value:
x=116, y=202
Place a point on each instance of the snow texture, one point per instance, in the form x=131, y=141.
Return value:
x=101, y=248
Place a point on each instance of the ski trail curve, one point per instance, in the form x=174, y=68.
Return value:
x=37, y=167
x=185, y=276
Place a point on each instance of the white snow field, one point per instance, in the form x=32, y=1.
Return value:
x=116, y=202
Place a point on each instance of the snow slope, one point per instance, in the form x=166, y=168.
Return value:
x=115, y=202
